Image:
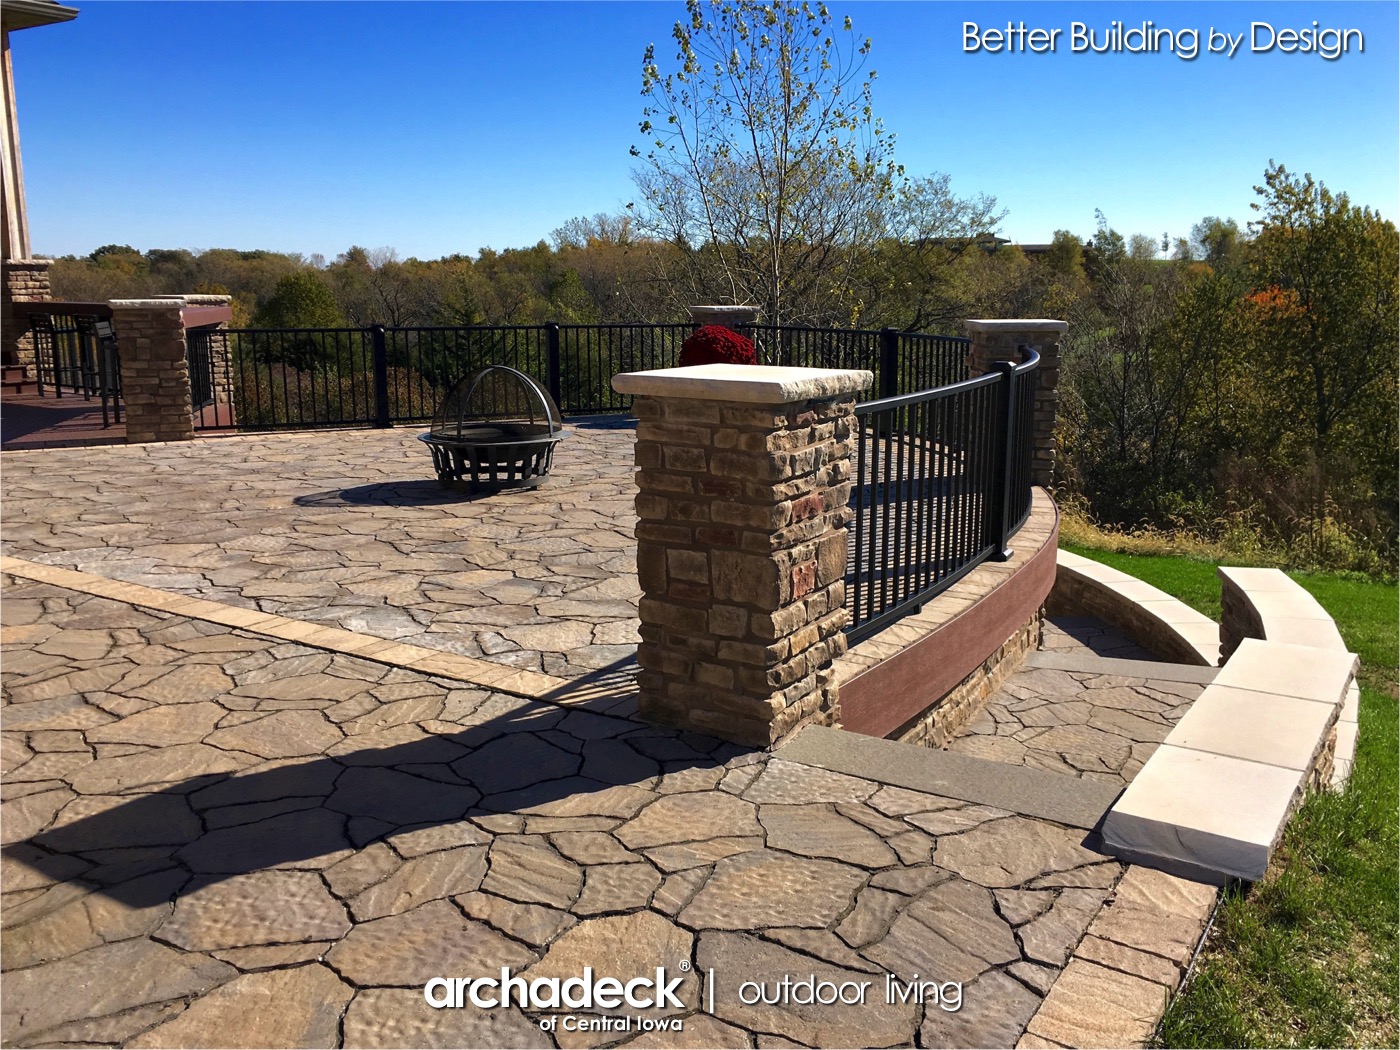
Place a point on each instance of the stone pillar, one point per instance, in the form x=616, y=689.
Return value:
x=25, y=281
x=998, y=341
x=743, y=477
x=728, y=316
x=155, y=369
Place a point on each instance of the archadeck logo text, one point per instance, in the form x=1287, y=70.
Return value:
x=553, y=993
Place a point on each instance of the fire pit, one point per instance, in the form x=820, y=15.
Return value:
x=495, y=429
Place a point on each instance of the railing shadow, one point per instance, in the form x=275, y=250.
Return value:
x=528, y=758
x=418, y=493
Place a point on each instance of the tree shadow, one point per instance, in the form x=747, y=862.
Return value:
x=524, y=757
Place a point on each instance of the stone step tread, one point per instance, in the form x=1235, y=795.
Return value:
x=1150, y=669
x=1029, y=792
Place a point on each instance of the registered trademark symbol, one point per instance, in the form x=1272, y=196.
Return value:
x=685, y=965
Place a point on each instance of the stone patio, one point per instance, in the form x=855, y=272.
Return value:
x=350, y=528
x=236, y=829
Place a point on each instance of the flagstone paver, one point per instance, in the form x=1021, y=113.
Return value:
x=282, y=843
x=1095, y=724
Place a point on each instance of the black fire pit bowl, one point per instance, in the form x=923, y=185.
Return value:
x=495, y=429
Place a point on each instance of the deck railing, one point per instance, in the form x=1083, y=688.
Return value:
x=379, y=376
x=942, y=480
x=75, y=354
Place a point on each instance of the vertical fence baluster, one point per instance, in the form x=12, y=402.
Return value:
x=553, y=367
x=1003, y=477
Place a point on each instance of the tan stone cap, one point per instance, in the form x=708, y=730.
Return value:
x=754, y=384
x=172, y=303
x=29, y=262
x=1021, y=324
x=197, y=299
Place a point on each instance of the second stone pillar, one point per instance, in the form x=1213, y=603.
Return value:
x=744, y=480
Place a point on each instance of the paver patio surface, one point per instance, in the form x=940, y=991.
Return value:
x=217, y=838
x=350, y=528
x=1088, y=635
x=1092, y=704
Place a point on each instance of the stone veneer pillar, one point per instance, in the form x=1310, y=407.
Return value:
x=743, y=477
x=25, y=281
x=1000, y=341
x=728, y=316
x=155, y=369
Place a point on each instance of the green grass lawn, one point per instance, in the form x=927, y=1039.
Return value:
x=1308, y=955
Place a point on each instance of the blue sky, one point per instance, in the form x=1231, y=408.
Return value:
x=444, y=127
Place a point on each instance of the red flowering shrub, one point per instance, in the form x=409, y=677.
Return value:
x=716, y=345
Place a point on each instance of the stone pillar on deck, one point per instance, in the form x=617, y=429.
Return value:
x=728, y=316
x=155, y=369
x=743, y=477
x=1000, y=341
x=25, y=282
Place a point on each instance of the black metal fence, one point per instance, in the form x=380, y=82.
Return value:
x=942, y=481
x=903, y=362
x=298, y=378
x=75, y=354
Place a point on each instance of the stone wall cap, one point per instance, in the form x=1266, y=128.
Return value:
x=28, y=262
x=754, y=384
x=172, y=303
x=711, y=309
x=1016, y=324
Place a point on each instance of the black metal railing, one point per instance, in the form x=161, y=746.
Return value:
x=590, y=355
x=75, y=353
x=285, y=378
x=903, y=362
x=942, y=480
x=296, y=378
x=200, y=347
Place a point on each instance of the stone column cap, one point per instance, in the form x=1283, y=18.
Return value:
x=1016, y=324
x=698, y=313
x=753, y=384
x=197, y=299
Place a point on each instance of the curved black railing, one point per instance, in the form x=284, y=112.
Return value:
x=942, y=481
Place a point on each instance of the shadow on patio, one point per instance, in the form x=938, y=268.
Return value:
x=224, y=825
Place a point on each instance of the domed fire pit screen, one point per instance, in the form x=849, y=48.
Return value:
x=495, y=429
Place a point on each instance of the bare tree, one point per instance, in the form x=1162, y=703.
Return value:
x=766, y=166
